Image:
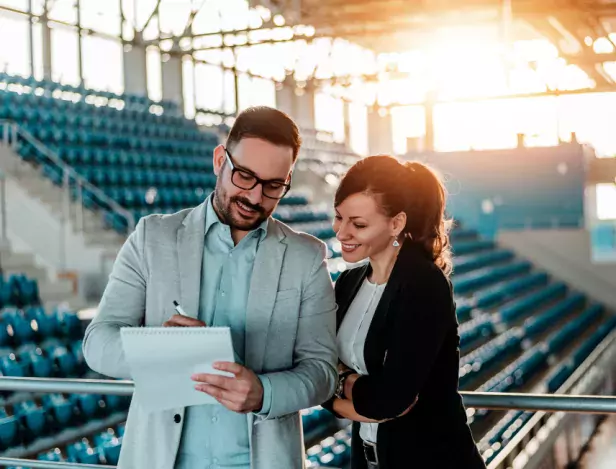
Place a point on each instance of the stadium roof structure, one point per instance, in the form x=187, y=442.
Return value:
x=394, y=25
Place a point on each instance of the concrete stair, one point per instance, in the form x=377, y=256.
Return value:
x=90, y=247
x=31, y=179
x=52, y=291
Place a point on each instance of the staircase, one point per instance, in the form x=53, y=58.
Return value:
x=44, y=248
x=53, y=292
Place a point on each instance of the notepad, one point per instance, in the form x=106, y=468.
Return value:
x=162, y=360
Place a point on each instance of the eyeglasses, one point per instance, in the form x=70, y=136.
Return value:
x=246, y=180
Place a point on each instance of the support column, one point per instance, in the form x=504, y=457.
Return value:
x=285, y=96
x=347, y=123
x=380, y=133
x=304, y=106
x=135, y=71
x=429, y=114
x=173, y=89
x=46, y=48
x=297, y=102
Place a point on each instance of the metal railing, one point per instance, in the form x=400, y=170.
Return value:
x=73, y=187
x=478, y=400
x=485, y=400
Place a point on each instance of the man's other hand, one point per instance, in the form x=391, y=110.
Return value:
x=243, y=393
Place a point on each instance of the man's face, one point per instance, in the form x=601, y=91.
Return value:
x=246, y=209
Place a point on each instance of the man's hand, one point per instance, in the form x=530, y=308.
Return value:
x=177, y=320
x=242, y=393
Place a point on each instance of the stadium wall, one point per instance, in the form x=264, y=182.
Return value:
x=515, y=189
x=567, y=255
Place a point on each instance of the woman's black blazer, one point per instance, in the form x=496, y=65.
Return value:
x=412, y=350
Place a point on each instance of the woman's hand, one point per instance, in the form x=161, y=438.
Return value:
x=349, y=382
x=342, y=368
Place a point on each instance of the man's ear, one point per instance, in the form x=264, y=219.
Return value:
x=219, y=158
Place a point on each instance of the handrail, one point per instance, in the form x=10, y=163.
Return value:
x=34, y=464
x=483, y=400
x=113, y=205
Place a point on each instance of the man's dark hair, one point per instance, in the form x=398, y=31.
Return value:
x=268, y=124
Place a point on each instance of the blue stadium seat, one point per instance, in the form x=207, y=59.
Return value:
x=38, y=365
x=82, y=452
x=33, y=418
x=60, y=409
x=9, y=430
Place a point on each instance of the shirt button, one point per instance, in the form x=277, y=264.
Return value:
x=177, y=418
x=214, y=419
x=222, y=294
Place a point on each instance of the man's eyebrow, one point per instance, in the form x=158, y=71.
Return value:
x=246, y=170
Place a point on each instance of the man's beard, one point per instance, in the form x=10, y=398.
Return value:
x=224, y=206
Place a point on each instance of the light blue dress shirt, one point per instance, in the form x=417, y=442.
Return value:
x=214, y=437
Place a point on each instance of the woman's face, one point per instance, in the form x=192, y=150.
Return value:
x=362, y=229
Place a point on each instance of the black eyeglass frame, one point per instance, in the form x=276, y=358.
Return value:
x=258, y=180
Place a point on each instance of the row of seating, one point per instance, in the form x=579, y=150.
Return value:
x=489, y=275
x=23, y=91
x=522, y=306
x=502, y=292
x=169, y=201
x=333, y=451
x=51, y=358
x=52, y=86
x=30, y=420
x=28, y=324
x=55, y=135
x=465, y=264
x=18, y=290
x=79, y=155
x=135, y=178
x=301, y=214
x=40, y=116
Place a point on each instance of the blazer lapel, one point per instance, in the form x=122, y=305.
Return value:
x=262, y=295
x=190, y=240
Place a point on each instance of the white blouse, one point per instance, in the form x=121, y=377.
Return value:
x=352, y=337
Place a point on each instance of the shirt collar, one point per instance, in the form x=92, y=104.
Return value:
x=211, y=219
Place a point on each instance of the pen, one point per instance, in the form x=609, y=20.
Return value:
x=179, y=309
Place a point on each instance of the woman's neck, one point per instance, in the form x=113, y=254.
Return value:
x=382, y=265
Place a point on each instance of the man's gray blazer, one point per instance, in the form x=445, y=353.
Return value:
x=290, y=331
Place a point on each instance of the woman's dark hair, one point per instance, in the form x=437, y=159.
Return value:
x=412, y=188
x=268, y=124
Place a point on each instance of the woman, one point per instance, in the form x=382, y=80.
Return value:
x=397, y=329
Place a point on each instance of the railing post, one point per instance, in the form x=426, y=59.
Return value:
x=80, y=214
x=66, y=200
x=5, y=134
x=3, y=216
x=13, y=136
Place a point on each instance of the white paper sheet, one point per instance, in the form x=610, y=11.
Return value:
x=162, y=360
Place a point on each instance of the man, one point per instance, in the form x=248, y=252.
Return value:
x=228, y=263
